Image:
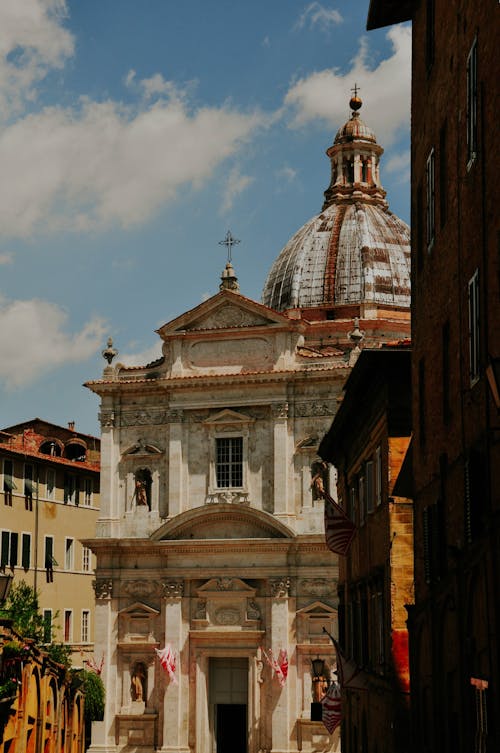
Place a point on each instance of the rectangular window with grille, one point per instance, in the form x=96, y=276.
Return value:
x=86, y=559
x=229, y=462
x=9, y=550
x=85, y=632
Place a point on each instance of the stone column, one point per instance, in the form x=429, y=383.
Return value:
x=176, y=463
x=282, y=462
x=176, y=699
x=281, y=723
x=106, y=639
x=109, y=516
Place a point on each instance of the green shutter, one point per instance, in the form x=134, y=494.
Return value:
x=14, y=545
x=26, y=551
x=4, y=557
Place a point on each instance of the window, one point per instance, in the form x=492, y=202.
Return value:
x=8, y=483
x=71, y=489
x=68, y=554
x=229, y=462
x=85, y=632
x=361, y=498
x=430, y=208
x=418, y=225
x=378, y=476
x=47, y=625
x=68, y=625
x=86, y=559
x=26, y=551
x=87, y=495
x=9, y=549
x=474, y=340
x=481, y=737
x=29, y=486
x=370, y=486
x=472, y=104
x=49, y=559
x=50, y=483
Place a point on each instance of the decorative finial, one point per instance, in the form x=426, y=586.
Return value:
x=355, y=102
x=109, y=353
x=229, y=241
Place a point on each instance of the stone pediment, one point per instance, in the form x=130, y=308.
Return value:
x=223, y=521
x=226, y=310
x=228, y=417
x=216, y=586
x=138, y=609
x=317, y=609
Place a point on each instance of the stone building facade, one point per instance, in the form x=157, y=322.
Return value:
x=210, y=539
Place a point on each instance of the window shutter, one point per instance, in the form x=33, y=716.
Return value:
x=4, y=557
x=14, y=545
x=26, y=551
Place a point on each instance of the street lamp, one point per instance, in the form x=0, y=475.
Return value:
x=319, y=686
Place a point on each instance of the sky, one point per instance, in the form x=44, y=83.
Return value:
x=133, y=135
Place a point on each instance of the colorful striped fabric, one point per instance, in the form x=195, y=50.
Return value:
x=339, y=530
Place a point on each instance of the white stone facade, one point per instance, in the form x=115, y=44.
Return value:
x=209, y=538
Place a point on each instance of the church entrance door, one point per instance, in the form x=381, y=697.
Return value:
x=228, y=704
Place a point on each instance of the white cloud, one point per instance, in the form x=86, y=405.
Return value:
x=33, y=340
x=6, y=258
x=315, y=14
x=235, y=185
x=399, y=163
x=287, y=174
x=105, y=164
x=384, y=89
x=32, y=41
x=140, y=358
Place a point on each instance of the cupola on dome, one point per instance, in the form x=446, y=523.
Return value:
x=355, y=252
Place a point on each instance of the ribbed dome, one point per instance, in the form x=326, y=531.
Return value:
x=356, y=252
x=355, y=128
x=350, y=253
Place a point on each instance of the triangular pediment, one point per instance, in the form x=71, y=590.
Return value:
x=226, y=310
x=138, y=609
x=223, y=521
x=228, y=417
x=317, y=609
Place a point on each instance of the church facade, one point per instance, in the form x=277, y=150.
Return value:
x=210, y=543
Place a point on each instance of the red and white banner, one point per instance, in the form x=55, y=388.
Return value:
x=280, y=665
x=168, y=661
x=332, y=708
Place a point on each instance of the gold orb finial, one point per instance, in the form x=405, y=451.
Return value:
x=355, y=102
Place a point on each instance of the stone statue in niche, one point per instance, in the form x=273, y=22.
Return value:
x=319, y=481
x=138, y=683
x=142, y=488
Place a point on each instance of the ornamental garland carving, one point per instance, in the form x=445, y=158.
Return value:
x=224, y=584
x=253, y=611
x=306, y=410
x=172, y=589
x=103, y=588
x=140, y=588
x=280, y=587
x=200, y=612
x=279, y=410
x=228, y=497
x=143, y=417
x=227, y=616
x=317, y=586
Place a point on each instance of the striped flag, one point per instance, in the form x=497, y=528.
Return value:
x=280, y=665
x=339, y=529
x=168, y=661
x=332, y=708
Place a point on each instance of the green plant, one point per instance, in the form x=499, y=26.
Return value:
x=93, y=689
x=22, y=608
x=60, y=653
x=8, y=689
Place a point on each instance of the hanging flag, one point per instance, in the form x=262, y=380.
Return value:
x=339, y=529
x=349, y=675
x=168, y=661
x=280, y=665
x=332, y=708
x=94, y=666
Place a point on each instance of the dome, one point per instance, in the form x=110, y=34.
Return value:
x=355, y=252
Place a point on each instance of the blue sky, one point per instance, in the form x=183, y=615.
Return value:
x=133, y=135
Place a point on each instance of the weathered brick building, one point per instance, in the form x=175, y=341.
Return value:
x=368, y=443
x=454, y=626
